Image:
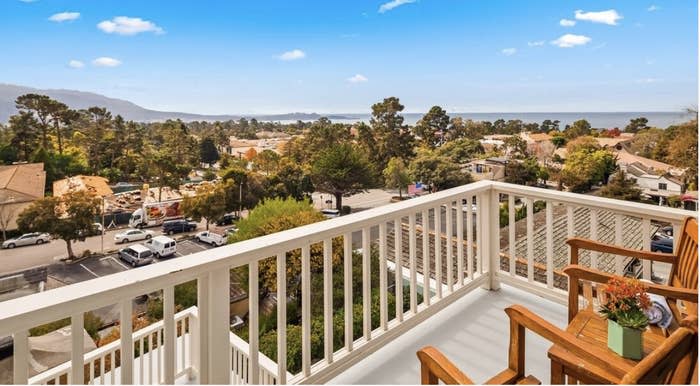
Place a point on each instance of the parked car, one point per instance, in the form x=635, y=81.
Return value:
x=330, y=213
x=211, y=238
x=228, y=219
x=178, y=226
x=161, y=246
x=230, y=231
x=661, y=244
x=136, y=255
x=235, y=321
x=133, y=235
x=666, y=231
x=35, y=238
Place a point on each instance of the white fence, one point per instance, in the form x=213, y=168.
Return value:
x=453, y=246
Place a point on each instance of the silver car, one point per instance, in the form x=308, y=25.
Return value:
x=35, y=238
x=133, y=235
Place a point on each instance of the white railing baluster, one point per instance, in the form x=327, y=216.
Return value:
x=169, y=337
x=201, y=335
x=112, y=367
x=253, y=324
x=460, y=243
x=398, y=267
x=366, y=288
x=619, y=263
x=159, y=351
x=91, y=372
x=570, y=229
x=126, y=351
x=470, y=238
x=328, y=300
x=151, y=358
x=347, y=268
x=512, y=255
x=438, y=251
x=549, y=243
x=594, y=236
x=383, y=305
x=413, y=294
x=479, y=235
x=141, y=352
x=530, y=241
x=77, y=339
x=20, y=358
x=305, y=310
x=425, y=226
x=102, y=371
x=448, y=245
x=646, y=245
x=281, y=319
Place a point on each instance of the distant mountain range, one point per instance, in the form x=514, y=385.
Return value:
x=130, y=111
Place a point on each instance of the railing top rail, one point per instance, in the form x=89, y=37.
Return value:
x=624, y=207
x=17, y=314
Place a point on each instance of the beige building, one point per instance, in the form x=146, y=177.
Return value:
x=20, y=185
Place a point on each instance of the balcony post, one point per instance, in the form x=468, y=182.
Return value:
x=219, y=368
x=489, y=237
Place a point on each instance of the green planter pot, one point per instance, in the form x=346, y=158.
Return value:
x=625, y=341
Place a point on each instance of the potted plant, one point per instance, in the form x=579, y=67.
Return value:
x=625, y=307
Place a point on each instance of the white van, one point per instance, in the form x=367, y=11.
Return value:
x=161, y=246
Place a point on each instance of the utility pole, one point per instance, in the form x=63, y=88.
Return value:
x=102, y=236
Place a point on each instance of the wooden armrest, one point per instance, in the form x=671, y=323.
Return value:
x=579, y=272
x=435, y=366
x=615, y=364
x=577, y=243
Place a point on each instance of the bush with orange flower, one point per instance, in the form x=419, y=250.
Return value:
x=627, y=300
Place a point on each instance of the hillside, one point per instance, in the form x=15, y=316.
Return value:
x=128, y=110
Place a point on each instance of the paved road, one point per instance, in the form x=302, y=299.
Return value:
x=20, y=258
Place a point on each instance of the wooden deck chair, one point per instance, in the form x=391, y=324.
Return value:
x=657, y=367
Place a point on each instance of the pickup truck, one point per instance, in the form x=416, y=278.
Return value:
x=213, y=239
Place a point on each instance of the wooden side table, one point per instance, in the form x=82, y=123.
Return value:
x=592, y=328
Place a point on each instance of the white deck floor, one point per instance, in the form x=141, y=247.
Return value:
x=472, y=332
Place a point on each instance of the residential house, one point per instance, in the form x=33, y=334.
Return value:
x=20, y=185
x=658, y=186
x=493, y=169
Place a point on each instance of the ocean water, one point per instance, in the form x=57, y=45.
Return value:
x=597, y=120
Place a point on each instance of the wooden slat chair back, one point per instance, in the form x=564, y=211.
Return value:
x=661, y=366
x=683, y=275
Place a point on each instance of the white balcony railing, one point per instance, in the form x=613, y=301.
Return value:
x=453, y=249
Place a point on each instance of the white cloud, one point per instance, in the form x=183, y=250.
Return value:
x=64, y=16
x=357, y=78
x=27, y=1
x=294, y=54
x=653, y=8
x=570, y=40
x=567, y=23
x=106, y=61
x=609, y=17
x=76, y=64
x=535, y=43
x=123, y=25
x=509, y=51
x=393, y=4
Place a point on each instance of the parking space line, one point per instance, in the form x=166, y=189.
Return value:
x=200, y=246
x=87, y=269
x=118, y=262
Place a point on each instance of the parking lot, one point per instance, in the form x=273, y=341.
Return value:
x=106, y=265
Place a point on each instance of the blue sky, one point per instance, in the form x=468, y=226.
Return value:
x=332, y=56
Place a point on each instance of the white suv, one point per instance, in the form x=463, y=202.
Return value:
x=161, y=246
